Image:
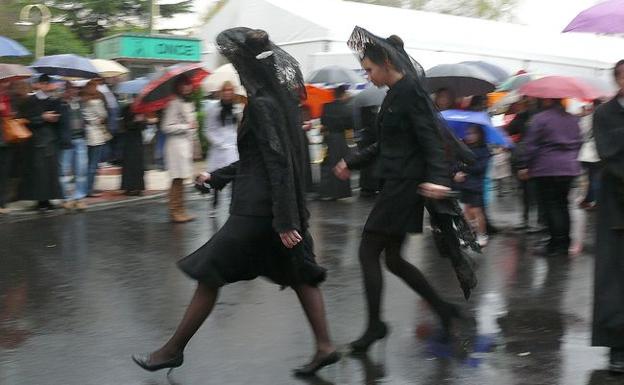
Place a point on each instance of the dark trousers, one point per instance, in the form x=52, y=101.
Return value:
x=530, y=200
x=553, y=194
x=6, y=160
x=593, y=175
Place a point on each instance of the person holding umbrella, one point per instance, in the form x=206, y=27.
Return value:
x=41, y=181
x=179, y=124
x=470, y=180
x=551, y=147
x=95, y=116
x=6, y=151
x=75, y=160
x=336, y=119
x=608, y=325
x=221, y=126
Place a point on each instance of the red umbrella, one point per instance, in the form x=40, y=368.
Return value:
x=560, y=87
x=158, y=92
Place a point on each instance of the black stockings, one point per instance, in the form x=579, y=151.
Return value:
x=370, y=251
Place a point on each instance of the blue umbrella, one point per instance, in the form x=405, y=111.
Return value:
x=459, y=121
x=9, y=47
x=132, y=87
x=67, y=65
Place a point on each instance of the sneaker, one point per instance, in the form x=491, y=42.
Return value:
x=81, y=205
x=482, y=240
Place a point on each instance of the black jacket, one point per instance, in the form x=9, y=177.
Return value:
x=268, y=179
x=337, y=117
x=410, y=145
x=65, y=125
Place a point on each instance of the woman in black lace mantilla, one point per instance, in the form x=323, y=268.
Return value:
x=267, y=231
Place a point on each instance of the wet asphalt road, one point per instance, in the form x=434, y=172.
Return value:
x=80, y=293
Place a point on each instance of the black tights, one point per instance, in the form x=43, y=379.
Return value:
x=370, y=252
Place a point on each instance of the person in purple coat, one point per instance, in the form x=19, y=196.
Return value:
x=552, y=144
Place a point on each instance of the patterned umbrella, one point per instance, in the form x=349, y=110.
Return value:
x=9, y=47
x=157, y=94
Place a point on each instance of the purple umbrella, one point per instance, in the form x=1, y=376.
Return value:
x=606, y=17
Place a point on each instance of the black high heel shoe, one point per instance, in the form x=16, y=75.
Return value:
x=361, y=345
x=451, y=313
x=316, y=365
x=144, y=361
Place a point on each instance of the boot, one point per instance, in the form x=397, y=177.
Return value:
x=176, y=203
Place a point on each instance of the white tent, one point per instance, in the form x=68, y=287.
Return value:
x=315, y=32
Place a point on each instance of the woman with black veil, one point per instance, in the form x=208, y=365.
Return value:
x=266, y=233
x=413, y=155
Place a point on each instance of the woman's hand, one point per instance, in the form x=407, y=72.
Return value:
x=290, y=238
x=460, y=177
x=203, y=177
x=433, y=191
x=523, y=174
x=342, y=171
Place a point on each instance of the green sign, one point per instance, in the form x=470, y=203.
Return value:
x=149, y=48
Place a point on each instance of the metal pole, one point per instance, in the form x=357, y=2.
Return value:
x=42, y=28
x=154, y=13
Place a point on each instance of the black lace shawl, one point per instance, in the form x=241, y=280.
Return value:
x=274, y=86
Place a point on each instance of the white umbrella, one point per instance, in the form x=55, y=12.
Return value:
x=225, y=73
x=109, y=68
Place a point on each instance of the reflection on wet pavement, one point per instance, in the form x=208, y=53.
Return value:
x=80, y=293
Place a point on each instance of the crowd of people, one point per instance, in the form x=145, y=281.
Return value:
x=70, y=125
x=409, y=161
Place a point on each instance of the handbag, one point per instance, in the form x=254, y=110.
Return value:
x=15, y=130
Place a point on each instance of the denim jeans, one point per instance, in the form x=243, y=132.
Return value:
x=95, y=155
x=74, y=161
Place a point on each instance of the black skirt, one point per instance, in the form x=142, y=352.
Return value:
x=398, y=209
x=247, y=247
x=472, y=198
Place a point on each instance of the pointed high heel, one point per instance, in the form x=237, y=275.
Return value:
x=144, y=361
x=316, y=365
x=452, y=313
x=361, y=345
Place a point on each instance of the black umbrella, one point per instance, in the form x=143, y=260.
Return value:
x=498, y=72
x=372, y=96
x=335, y=75
x=461, y=79
x=67, y=65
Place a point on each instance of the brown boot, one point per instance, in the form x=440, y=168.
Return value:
x=176, y=203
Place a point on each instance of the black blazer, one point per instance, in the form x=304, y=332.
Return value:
x=409, y=145
x=267, y=179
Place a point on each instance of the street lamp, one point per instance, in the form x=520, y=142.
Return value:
x=43, y=25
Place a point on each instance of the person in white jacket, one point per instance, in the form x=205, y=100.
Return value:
x=179, y=125
x=95, y=116
x=220, y=128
